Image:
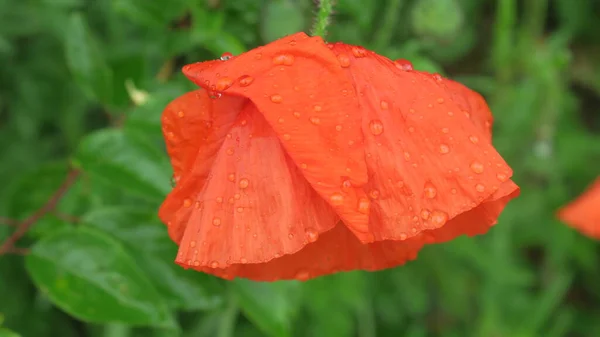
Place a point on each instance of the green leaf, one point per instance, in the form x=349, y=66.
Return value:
x=8, y=333
x=85, y=60
x=90, y=276
x=126, y=160
x=147, y=239
x=281, y=18
x=271, y=306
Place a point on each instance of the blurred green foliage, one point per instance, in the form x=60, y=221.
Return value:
x=100, y=264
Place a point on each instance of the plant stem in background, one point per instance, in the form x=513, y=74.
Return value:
x=386, y=30
x=322, y=19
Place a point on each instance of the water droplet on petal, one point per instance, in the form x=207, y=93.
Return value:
x=403, y=236
x=474, y=139
x=502, y=177
x=214, y=264
x=296, y=114
x=338, y=128
x=425, y=213
x=317, y=108
x=346, y=185
x=480, y=188
x=283, y=59
x=477, y=167
x=192, y=244
x=180, y=114
x=430, y=191
x=444, y=149
x=226, y=56
x=438, y=218
x=219, y=200
x=440, y=101
x=230, y=151
x=276, y=99
x=384, y=105
x=244, y=183
x=216, y=222
x=240, y=209
x=290, y=236
x=312, y=235
x=376, y=127
x=374, y=194
x=246, y=80
x=231, y=177
x=302, y=275
x=315, y=120
x=403, y=64
x=364, y=205
x=187, y=203
x=337, y=199
x=359, y=52
x=344, y=60
x=243, y=260
x=437, y=77
x=287, y=136
x=224, y=83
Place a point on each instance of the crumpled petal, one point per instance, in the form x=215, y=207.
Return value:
x=297, y=85
x=583, y=213
x=428, y=161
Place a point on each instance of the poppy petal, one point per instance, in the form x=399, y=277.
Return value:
x=472, y=105
x=336, y=250
x=584, y=212
x=194, y=127
x=296, y=83
x=428, y=163
x=254, y=206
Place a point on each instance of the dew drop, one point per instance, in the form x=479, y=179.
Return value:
x=438, y=218
x=315, y=120
x=359, y=52
x=337, y=199
x=230, y=151
x=403, y=64
x=480, y=188
x=224, y=83
x=302, y=275
x=276, y=99
x=425, y=213
x=477, y=167
x=244, y=183
x=374, y=194
x=384, y=105
x=280, y=120
x=216, y=222
x=364, y=205
x=243, y=260
x=430, y=191
x=437, y=77
x=226, y=56
x=312, y=235
x=440, y=100
x=376, y=127
x=444, y=149
x=187, y=203
x=240, y=209
x=344, y=60
x=290, y=236
x=346, y=185
x=296, y=114
x=303, y=166
x=231, y=177
x=445, y=130
x=219, y=200
x=214, y=264
x=246, y=80
x=502, y=177
x=198, y=205
x=283, y=59
x=474, y=139
x=192, y=244
x=180, y=114
x=338, y=128
x=317, y=108
x=403, y=236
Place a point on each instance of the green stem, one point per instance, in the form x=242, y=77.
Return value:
x=322, y=19
x=229, y=318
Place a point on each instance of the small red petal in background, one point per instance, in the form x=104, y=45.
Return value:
x=583, y=213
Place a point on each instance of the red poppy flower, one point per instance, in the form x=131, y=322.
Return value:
x=301, y=158
x=584, y=212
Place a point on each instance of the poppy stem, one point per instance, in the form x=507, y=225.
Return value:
x=322, y=19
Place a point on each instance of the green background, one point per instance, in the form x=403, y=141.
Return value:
x=100, y=264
